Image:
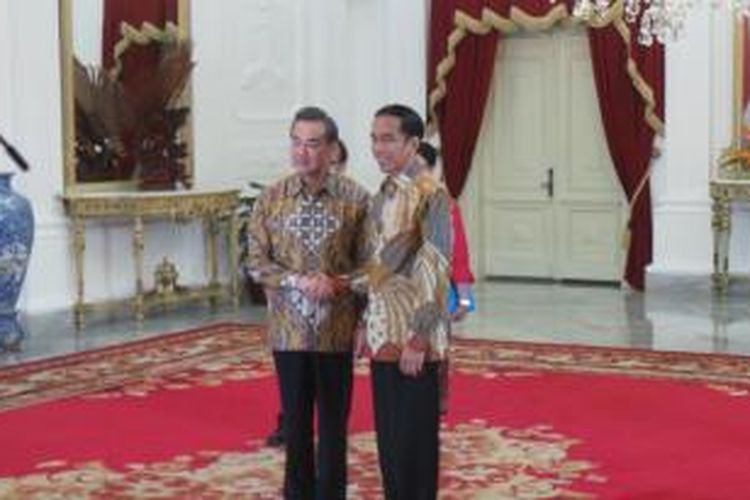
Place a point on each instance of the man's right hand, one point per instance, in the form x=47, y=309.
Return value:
x=360, y=341
x=411, y=361
x=319, y=286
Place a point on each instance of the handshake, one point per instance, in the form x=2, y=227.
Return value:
x=319, y=286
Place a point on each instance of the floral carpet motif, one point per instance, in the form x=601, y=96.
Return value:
x=506, y=436
x=478, y=355
x=138, y=365
x=235, y=352
x=480, y=461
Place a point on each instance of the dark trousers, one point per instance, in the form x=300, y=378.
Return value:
x=304, y=378
x=407, y=421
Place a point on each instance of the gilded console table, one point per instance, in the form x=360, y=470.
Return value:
x=724, y=193
x=214, y=207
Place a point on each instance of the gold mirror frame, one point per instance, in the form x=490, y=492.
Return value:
x=70, y=183
x=741, y=62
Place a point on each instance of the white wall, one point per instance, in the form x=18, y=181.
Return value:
x=88, y=17
x=258, y=60
x=699, y=126
x=30, y=117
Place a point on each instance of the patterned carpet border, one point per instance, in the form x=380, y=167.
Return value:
x=112, y=366
x=201, y=348
x=705, y=367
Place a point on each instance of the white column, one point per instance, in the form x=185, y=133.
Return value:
x=682, y=231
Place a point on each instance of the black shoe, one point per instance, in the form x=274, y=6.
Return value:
x=276, y=438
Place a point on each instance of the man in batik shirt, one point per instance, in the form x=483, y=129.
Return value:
x=306, y=236
x=407, y=321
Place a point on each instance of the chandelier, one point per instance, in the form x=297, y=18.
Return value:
x=659, y=20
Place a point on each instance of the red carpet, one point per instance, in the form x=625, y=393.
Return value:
x=183, y=416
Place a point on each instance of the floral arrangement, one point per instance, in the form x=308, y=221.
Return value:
x=735, y=161
x=98, y=102
x=125, y=132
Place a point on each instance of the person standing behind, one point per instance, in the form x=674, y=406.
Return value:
x=462, y=279
x=407, y=321
x=339, y=158
x=306, y=233
x=461, y=297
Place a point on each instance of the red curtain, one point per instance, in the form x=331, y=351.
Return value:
x=629, y=137
x=745, y=79
x=138, y=58
x=461, y=111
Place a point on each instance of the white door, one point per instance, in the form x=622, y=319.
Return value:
x=550, y=203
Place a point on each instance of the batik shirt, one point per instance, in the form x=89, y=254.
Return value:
x=293, y=232
x=408, y=277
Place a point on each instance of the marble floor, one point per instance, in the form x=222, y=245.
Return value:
x=677, y=313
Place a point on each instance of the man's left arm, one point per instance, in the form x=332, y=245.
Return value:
x=364, y=250
x=431, y=271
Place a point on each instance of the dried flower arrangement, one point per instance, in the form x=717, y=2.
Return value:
x=125, y=132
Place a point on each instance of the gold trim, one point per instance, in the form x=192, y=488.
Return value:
x=739, y=56
x=70, y=183
x=639, y=83
x=733, y=163
x=609, y=16
x=213, y=206
x=649, y=115
x=144, y=36
x=68, y=109
x=627, y=232
x=519, y=19
x=186, y=133
x=533, y=23
x=465, y=24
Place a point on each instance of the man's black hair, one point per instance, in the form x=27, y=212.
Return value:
x=315, y=114
x=429, y=153
x=411, y=123
x=343, y=152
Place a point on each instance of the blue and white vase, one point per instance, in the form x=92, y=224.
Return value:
x=16, y=237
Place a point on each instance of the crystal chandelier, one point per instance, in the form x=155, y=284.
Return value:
x=659, y=20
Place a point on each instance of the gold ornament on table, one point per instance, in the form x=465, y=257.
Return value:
x=735, y=161
x=165, y=278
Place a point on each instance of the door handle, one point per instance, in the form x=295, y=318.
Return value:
x=549, y=184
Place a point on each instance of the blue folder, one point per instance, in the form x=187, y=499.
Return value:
x=453, y=300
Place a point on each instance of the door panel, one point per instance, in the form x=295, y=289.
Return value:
x=520, y=240
x=543, y=115
x=523, y=101
x=585, y=167
x=588, y=201
x=518, y=215
x=589, y=242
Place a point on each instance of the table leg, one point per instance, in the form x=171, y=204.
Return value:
x=233, y=256
x=213, y=261
x=138, y=245
x=79, y=249
x=721, y=223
